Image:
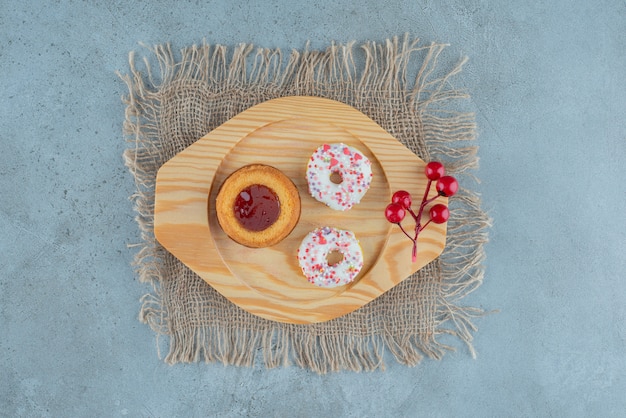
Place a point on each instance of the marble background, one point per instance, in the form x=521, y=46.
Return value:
x=547, y=86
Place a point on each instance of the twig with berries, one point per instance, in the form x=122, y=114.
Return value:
x=401, y=203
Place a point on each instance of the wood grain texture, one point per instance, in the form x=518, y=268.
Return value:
x=268, y=281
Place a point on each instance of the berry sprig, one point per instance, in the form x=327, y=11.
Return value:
x=401, y=203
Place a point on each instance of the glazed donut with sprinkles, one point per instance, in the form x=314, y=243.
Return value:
x=338, y=175
x=315, y=249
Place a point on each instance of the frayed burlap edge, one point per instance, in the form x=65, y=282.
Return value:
x=444, y=134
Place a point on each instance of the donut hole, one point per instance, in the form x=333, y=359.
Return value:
x=336, y=177
x=334, y=257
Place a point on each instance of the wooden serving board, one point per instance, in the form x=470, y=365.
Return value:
x=268, y=281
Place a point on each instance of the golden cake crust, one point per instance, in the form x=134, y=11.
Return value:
x=279, y=183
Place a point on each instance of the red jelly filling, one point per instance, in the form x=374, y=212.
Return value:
x=257, y=207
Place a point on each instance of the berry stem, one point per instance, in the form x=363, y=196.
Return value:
x=414, y=253
x=414, y=239
x=418, y=218
x=426, y=202
x=425, y=225
x=405, y=233
x=425, y=194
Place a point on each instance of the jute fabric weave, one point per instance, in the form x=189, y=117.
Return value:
x=177, y=97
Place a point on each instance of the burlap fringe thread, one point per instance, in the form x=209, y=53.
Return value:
x=333, y=73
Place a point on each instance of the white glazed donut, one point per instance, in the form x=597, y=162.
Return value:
x=313, y=252
x=354, y=168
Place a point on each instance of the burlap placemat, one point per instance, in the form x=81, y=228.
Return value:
x=392, y=82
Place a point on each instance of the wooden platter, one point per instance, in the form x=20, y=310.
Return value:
x=268, y=281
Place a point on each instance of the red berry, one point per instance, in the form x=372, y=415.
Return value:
x=435, y=170
x=447, y=186
x=403, y=198
x=394, y=213
x=439, y=213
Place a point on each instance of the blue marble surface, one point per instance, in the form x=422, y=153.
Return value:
x=547, y=85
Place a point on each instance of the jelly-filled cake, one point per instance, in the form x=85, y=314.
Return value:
x=258, y=206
